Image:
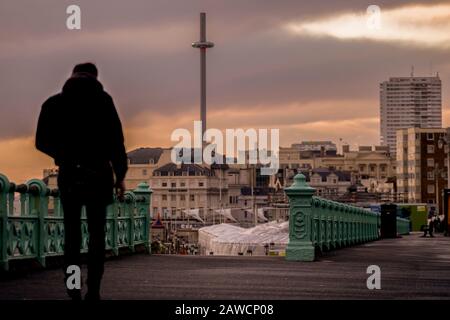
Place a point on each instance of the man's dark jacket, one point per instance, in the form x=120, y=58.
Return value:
x=81, y=130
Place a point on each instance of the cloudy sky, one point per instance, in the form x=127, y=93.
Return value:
x=309, y=68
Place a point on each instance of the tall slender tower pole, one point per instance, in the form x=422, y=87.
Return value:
x=203, y=45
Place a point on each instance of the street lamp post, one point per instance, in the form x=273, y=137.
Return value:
x=444, y=143
x=438, y=173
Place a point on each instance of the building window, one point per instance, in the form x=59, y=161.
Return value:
x=164, y=197
x=173, y=197
x=430, y=136
x=173, y=184
x=200, y=184
x=164, y=184
x=430, y=162
x=430, y=175
x=182, y=197
x=430, y=148
x=430, y=188
x=144, y=172
x=192, y=196
x=183, y=184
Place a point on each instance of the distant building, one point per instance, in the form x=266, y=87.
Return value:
x=407, y=102
x=50, y=178
x=318, y=148
x=177, y=188
x=238, y=179
x=421, y=165
x=366, y=163
x=329, y=183
x=142, y=162
x=372, y=167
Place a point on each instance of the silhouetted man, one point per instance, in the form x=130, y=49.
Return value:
x=81, y=130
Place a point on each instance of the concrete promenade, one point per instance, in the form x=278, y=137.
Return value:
x=411, y=268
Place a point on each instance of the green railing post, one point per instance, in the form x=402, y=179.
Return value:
x=38, y=206
x=143, y=204
x=4, y=190
x=300, y=246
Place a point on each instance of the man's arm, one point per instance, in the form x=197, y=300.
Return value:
x=45, y=139
x=118, y=154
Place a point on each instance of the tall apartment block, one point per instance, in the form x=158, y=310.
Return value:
x=407, y=102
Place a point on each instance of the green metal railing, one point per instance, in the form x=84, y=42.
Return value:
x=316, y=223
x=403, y=226
x=35, y=229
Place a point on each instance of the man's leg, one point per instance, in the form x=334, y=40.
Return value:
x=96, y=214
x=72, y=239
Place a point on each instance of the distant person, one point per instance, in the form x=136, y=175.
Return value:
x=430, y=221
x=436, y=224
x=81, y=130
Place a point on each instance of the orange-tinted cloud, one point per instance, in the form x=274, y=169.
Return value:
x=421, y=25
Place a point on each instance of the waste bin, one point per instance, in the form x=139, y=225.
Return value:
x=388, y=219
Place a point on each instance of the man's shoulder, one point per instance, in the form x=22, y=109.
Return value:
x=52, y=101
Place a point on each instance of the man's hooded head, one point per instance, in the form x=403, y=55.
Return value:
x=87, y=68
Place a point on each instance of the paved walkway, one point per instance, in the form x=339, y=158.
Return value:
x=411, y=268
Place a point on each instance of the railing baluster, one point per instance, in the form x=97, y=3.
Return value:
x=130, y=203
x=38, y=206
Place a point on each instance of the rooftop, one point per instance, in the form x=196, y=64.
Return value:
x=145, y=155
